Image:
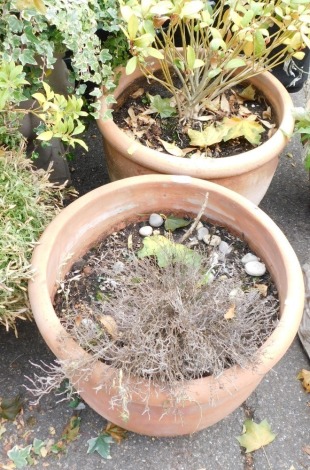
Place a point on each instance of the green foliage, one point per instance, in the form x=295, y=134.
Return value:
x=33, y=33
x=172, y=223
x=100, y=444
x=162, y=106
x=221, y=45
x=302, y=127
x=20, y=455
x=167, y=252
x=256, y=435
x=27, y=205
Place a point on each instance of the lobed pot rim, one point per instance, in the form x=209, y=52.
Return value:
x=270, y=352
x=208, y=168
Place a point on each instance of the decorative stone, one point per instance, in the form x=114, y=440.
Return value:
x=146, y=231
x=212, y=240
x=249, y=257
x=255, y=268
x=224, y=248
x=202, y=232
x=156, y=220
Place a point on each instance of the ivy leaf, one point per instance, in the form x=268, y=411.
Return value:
x=37, y=446
x=172, y=223
x=304, y=375
x=162, y=106
x=100, y=444
x=19, y=455
x=256, y=435
x=239, y=127
x=10, y=407
x=167, y=252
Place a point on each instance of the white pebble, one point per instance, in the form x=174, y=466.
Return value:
x=249, y=257
x=202, y=232
x=224, y=248
x=156, y=220
x=146, y=231
x=255, y=268
x=212, y=240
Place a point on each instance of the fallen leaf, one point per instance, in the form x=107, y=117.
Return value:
x=10, y=407
x=129, y=242
x=256, y=435
x=172, y=148
x=304, y=375
x=116, y=432
x=248, y=93
x=2, y=430
x=262, y=288
x=173, y=223
x=241, y=127
x=306, y=449
x=109, y=325
x=267, y=113
x=225, y=104
x=230, y=313
x=19, y=455
x=100, y=444
x=138, y=93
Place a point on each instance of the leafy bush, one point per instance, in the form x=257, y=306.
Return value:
x=27, y=204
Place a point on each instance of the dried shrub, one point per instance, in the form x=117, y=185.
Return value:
x=168, y=325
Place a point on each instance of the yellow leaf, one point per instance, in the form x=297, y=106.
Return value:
x=262, y=288
x=304, y=375
x=256, y=435
x=248, y=93
x=230, y=313
x=109, y=325
x=172, y=148
x=240, y=127
x=47, y=135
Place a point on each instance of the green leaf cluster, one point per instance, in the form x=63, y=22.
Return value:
x=220, y=46
x=27, y=205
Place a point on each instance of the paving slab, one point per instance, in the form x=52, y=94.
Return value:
x=279, y=398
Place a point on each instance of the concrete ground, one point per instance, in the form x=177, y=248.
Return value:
x=280, y=397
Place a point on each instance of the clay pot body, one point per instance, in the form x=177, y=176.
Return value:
x=249, y=173
x=112, y=207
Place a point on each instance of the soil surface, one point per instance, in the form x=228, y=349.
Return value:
x=135, y=114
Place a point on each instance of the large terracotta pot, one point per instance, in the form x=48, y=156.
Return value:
x=249, y=173
x=110, y=208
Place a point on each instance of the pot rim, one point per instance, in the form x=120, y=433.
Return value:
x=270, y=352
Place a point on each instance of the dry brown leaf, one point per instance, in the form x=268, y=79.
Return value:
x=116, y=432
x=137, y=93
x=210, y=117
x=306, y=449
x=244, y=111
x=129, y=242
x=225, y=104
x=262, y=288
x=267, y=113
x=110, y=325
x=304, y=376
x=230, y=312
x=267, y=124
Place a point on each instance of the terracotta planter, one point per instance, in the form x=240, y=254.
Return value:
x=249, y=173
x=110, y=208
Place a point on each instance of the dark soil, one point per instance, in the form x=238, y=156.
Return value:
x=149, y=129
